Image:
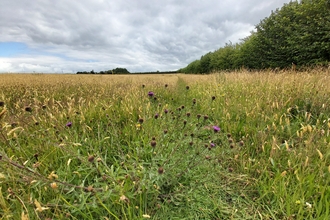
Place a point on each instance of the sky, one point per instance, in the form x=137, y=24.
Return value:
x=67, y=36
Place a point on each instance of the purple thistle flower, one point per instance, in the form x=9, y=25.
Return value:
x=166, y=111
x=156, y=116
x=212, y=145
x=69, y=124
x=216, y=129
x=151, y=94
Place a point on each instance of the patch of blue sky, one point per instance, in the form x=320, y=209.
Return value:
x=10, y=49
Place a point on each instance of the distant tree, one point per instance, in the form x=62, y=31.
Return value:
x=120, y=71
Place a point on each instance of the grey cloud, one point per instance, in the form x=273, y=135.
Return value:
x=138, y=35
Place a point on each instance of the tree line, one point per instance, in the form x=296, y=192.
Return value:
x=297, y=34
x=118, y=70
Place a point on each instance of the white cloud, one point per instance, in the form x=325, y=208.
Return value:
x=138, y=35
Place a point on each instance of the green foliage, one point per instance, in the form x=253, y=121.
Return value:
x=118, y=70
x=297, y=33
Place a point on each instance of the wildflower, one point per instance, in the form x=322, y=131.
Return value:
x=141, y=120
x=212, y=145
x=166, y=85
x=69, y=124
x=151, y=94
x=230, y=169
x=187, y=87
x=156, y=115
x=206, y=117
x=44, y=107
x=194, y=101
x=91, y=158
x=188, y=114
x=2, y=103
x=241, y=143
x=215, y=129
x=165, y=131
x=153, y=143
x=213, y=98
x=199, y=115
x=143, y=85
x=166, y=111
x=160, y=170
x=185, y=122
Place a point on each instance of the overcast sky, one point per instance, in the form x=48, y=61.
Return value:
x=139, y=35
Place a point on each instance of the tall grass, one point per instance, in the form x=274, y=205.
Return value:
x=136, y=147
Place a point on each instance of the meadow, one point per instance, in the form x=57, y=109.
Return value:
x=238, y=145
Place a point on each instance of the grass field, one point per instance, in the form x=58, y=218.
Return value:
x=240, y=145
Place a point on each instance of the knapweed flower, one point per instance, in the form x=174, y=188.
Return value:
x=156, y=116
x=166, y=111
x=216, y=129
x=28, y=109
x=153, y=143
x=91, y=158
x=151, y=94
x=212, y=145
x=69, y=124
x=160, y=170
